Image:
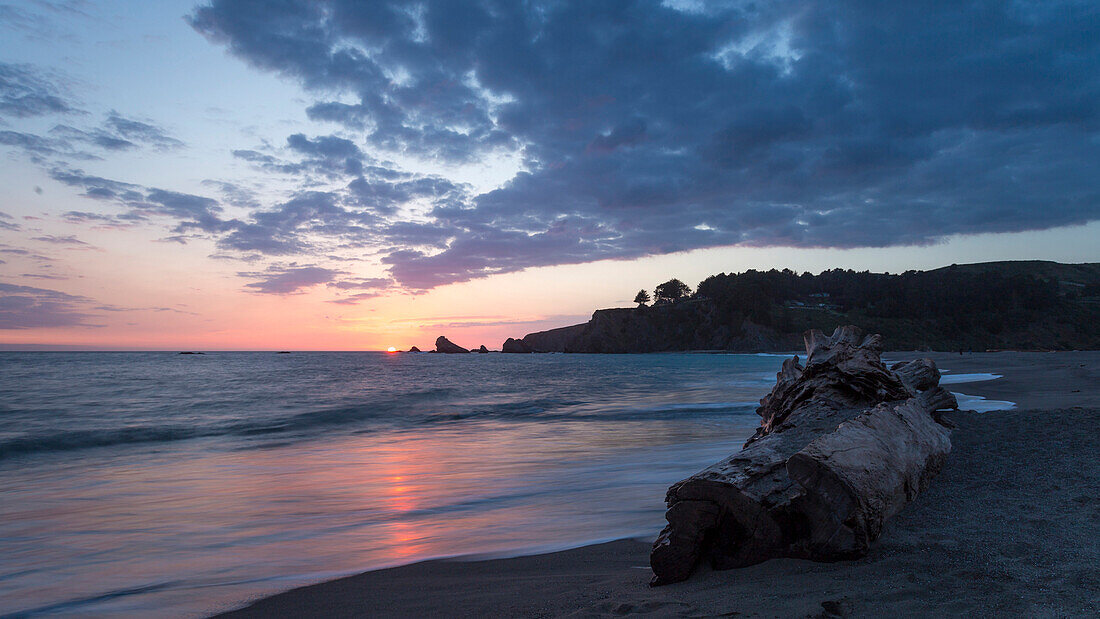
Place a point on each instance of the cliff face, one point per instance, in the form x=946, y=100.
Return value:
x=562, y=339
x=989, y=306
x=688, y=325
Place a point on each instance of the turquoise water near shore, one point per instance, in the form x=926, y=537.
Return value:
x=161, y=484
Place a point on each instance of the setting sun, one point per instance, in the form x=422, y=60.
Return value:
x=391, y=349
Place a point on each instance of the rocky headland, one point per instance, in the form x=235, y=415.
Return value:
x=1027, y=305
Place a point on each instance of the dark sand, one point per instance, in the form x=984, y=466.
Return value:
x=1011, y=526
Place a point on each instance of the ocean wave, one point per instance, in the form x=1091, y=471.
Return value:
x=72, y=605
x=84, y=439
x=403, y=412
x=693, y=407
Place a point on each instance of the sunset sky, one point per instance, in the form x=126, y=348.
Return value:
x=354, y=175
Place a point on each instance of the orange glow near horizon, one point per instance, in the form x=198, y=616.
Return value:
x=159, y=296
x=391, y=349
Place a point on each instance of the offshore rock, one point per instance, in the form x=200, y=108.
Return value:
x=482, y=349
x=512, y=345
x=843, y=444
x=444, y=345
x=414, y=349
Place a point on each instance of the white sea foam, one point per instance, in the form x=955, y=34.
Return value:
x=955, y=379
x=979, y=404
x=975, y=403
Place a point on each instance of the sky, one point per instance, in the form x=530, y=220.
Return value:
x=339, y=175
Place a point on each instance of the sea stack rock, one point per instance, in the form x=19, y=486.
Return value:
x=514, y=346
x=843, y=444
x=444, y=345
x=482, y=349
x=414, y=349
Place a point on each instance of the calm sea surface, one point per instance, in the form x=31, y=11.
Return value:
x=167, y=485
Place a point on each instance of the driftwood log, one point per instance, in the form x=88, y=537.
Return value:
x=843, y=444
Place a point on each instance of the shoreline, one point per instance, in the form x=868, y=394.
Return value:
x=1008, y=526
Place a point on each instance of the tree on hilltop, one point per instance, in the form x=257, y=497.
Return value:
x=671, y=291
x=641, y=298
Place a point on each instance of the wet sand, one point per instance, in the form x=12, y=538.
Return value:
x=1009, y=527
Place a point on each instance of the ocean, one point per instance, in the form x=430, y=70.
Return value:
x=159, y=484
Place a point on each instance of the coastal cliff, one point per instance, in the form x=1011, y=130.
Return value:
x=688, y=325
x=1027, y=305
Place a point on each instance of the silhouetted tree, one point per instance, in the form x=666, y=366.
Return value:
x=641, y=298
x=670, y=291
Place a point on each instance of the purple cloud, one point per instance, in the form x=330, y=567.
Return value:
x=646, y=129
x=27, y=307
x=25, y=92
x=61, y=240
x=289, y=280
x=641, y=128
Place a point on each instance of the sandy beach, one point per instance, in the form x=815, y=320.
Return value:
x=1008, y=527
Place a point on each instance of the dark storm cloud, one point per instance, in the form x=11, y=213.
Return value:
x=289, y=280
x=623, y=135
x=645, y=129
